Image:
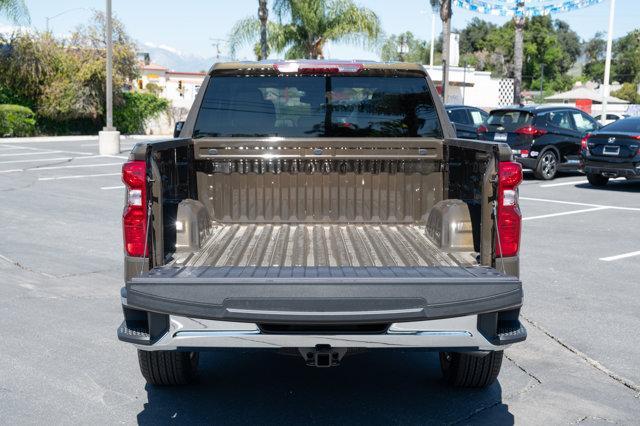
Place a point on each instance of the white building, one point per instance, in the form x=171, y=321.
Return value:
x=477, y=88
x=180, y=88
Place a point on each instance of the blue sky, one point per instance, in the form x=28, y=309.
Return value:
x=188, y=25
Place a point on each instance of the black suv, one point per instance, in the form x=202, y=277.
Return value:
x=468, y=120
x=543, y=138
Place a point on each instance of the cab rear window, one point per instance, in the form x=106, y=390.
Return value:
x=317, y=106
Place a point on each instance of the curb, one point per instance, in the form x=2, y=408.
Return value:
x=79, y=138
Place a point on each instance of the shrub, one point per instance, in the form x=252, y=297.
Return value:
x=16, y=120
x=136, y=110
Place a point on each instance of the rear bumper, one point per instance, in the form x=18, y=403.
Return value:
x=438, y=308
x=462, y=334
x=612, y=169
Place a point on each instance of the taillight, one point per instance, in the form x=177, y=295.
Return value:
x=134, y=218
x=584, y=141
x=509, y=218
x=531, y=131
x=482, y=129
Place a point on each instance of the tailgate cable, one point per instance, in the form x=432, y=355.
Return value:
x=495, y=220
x=146, y=231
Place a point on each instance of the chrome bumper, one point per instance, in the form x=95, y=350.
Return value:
x=452, y=333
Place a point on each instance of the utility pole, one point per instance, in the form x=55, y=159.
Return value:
x=435, y=8
x=445, y=15
x=607, y=63
x=541, y=81
x=109, y=138
x=402, y=47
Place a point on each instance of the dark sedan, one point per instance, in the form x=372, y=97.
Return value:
x=613, y=151
x=545, y=139
x=468, y=120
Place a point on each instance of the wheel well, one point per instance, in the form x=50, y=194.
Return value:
x=551, y=148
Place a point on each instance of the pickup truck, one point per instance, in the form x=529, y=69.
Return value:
x=321, y=209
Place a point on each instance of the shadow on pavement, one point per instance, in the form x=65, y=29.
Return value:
x=269, y=388
x=615, y=186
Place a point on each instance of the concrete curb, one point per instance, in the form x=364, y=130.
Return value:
x=80, y=138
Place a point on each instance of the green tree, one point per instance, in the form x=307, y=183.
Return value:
x=405, y=47
x=16, y=10
x=628, y=92
x=474, y=37
x=304, y=27
x=625, y=63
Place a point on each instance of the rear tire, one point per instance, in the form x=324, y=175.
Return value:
x=547, y=167
x=470, y=371
x=168, y=368
x=597, y=180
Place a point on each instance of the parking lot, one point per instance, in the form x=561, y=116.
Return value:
x=60, y=362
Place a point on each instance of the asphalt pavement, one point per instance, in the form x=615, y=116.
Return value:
x=60, y=361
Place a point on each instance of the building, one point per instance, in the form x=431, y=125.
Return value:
x=467, y=86
x=589, y=99
x=179, y=87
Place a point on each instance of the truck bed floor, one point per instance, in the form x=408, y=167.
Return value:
x=326, y=245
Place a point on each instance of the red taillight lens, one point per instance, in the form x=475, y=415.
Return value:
x=134, y=218
x=509, y=218
x=584, y=141
x=482, y=129
x=531, y=131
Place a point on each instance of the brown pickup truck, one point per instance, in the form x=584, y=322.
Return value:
x=321, y=208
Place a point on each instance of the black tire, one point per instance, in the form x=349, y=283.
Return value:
x=547, y=167
x=597, y=180
x=168, y=368
x=470, y=371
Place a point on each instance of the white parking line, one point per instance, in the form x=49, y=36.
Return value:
x=544, y=216
x=574, y=182
x=75, y=166
x=37, y=160
x=77, y=176
x=620, y=256
x=29, y=148
x=22, y=154
x=571, y=203
x=108, y=188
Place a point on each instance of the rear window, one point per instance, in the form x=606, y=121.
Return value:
x=510, y=120
x=317, y=106
x=631, y=125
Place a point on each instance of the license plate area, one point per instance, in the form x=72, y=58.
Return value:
x=611, y=150
x=500, y=137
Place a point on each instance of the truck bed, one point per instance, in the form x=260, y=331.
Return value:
x=317, y=246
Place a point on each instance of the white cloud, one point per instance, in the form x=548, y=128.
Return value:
x=11, y=29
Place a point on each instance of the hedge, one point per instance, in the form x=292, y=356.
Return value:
x=16, y=120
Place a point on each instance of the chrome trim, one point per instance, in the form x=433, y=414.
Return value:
x=449, y=333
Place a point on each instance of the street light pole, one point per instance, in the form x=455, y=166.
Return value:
x=607, y=63
x=109, y=68
x=434, y=10
x=109, y=139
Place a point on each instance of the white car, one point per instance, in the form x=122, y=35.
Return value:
x=611, y=117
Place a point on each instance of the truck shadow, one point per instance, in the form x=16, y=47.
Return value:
x=615, y=186
x=379, y=387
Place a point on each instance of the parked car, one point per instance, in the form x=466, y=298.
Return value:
x=613, y=151
x=467, y=120
x=545, y=139
x=611, y=117
x=321, y=224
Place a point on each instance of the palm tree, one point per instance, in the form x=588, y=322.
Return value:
x=445, y=15
x=518, y=47
x=263, y=16
x=310, y=25
x=16, y=10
